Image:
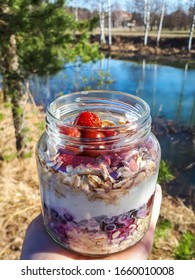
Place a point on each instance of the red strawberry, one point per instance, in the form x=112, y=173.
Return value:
x=109, y=133
x=70, y=131
x=93, y=134
x=88, y=119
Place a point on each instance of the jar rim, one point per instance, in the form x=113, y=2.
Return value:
x=145, y=112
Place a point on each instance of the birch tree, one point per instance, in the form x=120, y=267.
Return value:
x=75, y=8
x=191, y=29
x=147, y=10
x=161, y=23
x=109, y=23
x=101, y=8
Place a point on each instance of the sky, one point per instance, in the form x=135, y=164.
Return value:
x=172, y=4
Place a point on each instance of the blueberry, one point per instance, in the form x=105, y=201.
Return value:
x=92, y=225
x=54, y=213
x=110, y=220
x=114, y=175
x=68, y=217
x=122, y=218
x=110, y=228
x=62, y=220
x=132, y=213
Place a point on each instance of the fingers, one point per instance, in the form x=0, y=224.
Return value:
x=156, y=207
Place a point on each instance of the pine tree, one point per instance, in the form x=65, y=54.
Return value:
x=36, y=37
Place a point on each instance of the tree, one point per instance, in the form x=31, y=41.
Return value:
x=109, y=23
x=147, y=11
x=101, y=9
x=161, y=22
x=192, y=28
x=37, y=37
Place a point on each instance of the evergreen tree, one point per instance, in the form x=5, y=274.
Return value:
x=37, y=37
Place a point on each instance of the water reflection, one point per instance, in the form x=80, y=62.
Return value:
x=168, y=90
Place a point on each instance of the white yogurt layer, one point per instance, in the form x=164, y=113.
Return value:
x=80, y=207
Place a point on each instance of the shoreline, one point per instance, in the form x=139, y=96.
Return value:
x=132, y=47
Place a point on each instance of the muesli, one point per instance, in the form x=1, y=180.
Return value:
x=97, y=202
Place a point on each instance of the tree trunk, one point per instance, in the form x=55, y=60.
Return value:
x=191, y=30
x=146, y=20
x=76, y=12
x=161, y=23
x=109, y=24
x=102, y=21
x=13, y=89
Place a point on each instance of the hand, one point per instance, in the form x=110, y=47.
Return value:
x=38, y=245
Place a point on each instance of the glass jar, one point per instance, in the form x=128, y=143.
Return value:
x=97, y=192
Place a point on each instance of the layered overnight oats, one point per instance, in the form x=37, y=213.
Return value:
x=98, y=165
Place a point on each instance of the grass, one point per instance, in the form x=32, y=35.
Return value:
x=163, y=228
x=1, y=117
x=186, y=248
x=166, y=33
x=165, y=173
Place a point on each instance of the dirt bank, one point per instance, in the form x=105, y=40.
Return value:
x=132, y=46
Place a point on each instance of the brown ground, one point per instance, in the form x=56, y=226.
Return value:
x=131, y=45
x=20, y=199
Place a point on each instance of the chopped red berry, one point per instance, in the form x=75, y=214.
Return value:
x=109, y=133
x=66, y=159
x=88, y=119
x=75, y=160
x=133, y=166
x=85, y=160
x=70, y=131
x=93, y=134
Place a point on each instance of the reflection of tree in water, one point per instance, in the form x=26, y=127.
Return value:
x=182, y=92
x=192, y=115
x=140, y=87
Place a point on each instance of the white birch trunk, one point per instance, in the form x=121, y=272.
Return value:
x=191, y=30
x=161, y=23
x=146, y=20
x=109, y=24
x=76, y=12
x=102, y=21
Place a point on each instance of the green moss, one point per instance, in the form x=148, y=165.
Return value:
x=163, y=228
x=186, y=248
x=41, y=126
x=165, y=173
x=1, y=117
x=9, y=156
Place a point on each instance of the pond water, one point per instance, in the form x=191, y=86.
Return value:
x=169, y=89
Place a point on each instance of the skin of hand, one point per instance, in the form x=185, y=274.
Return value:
x=38, y=245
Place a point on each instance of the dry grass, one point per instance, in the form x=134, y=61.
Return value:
x=20, y=199
x=166, y=33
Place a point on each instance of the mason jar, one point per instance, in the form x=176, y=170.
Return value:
x=97, y=184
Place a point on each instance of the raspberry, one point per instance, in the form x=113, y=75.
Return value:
x=88, y=119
